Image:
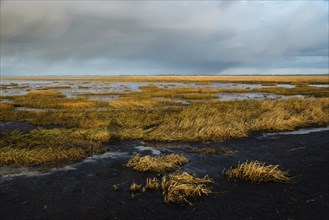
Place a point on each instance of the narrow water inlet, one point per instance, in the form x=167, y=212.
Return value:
x=143, y=148
x=297, y=132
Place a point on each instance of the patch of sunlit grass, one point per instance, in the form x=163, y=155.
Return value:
x=160, y=164
x=44, y=146
x=141, y=118
x=257, y=172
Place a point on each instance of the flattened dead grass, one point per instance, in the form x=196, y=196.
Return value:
x=179, y=188
x=257, y=172
x=212, y=150
x=160, y=164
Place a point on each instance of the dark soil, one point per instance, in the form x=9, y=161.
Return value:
x=87, y=191
x=20, y=126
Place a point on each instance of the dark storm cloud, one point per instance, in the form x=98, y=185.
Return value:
x=161, y=37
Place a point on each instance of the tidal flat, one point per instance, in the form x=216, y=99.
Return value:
x=73, y=138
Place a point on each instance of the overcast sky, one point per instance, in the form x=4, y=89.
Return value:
x=164, y=37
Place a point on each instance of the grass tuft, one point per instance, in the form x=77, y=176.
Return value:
x=152, y=183
x=178, y=188
x=161, y=164
x=257, y=172
x=134, y=187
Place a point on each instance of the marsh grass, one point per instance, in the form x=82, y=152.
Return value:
x=83, y=87
x=152, y=183
x=229, y=119
x=144, y=115
x=50, y=99
x=44, y=146
x=257, y=172
x=134, y=187
x=298, y=90
x=180, y=188
x=269, y=84
x=160, y=164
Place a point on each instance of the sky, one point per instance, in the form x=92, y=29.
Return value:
x=40, y=38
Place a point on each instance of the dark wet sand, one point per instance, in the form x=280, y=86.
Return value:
x=86, y=192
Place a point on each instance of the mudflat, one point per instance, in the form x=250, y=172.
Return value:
x=84, y=190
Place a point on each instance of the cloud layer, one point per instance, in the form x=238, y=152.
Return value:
x=98, y=37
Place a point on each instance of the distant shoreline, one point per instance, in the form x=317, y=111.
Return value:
x=195, y=78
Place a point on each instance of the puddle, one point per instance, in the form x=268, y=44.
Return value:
x=9, y=172
x=108, y=155
x=180, y=101
x=288, y=86
x=103, y=97
x=35, y=109
x=320, y=85
x=7, y=101
x=21, y=87
x=254, y=96
x=154, y=151
x=299, y=131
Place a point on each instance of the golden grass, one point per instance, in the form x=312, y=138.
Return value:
x=152, y=183
x=225, y=120
x=134, y=187
x=83, y=87
x=179, y=188
x=50, y=99
x=138, y=116
x=160, y=164
x=17, y=156
x=257, y=172
x=229, y=119
x=6, y=106
x=44, y=146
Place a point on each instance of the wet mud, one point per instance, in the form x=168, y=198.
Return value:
x=84, y=190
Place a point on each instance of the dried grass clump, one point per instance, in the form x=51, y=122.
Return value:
x=212, y=150
x=257, y=172
x=135, y=187
x=153, y=183
x=178, y=188
x=161, y=164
